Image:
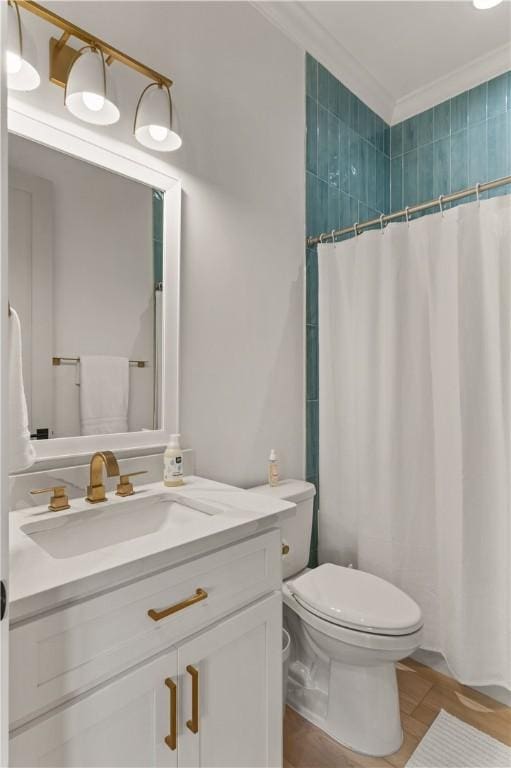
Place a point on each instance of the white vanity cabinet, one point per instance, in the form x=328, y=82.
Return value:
x=101, y=683
x=237, y=665
x=123, y=724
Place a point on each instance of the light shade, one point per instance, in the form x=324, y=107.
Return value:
x=20, y=54
x=483, y=5
x=90, y=89
x=153, y=119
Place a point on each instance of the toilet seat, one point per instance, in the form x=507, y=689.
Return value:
x=350, y=637
x=356, y=600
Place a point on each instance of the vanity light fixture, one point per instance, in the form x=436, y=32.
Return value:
x=90, y=89
x=20, y=56
x=84, y=74
x=153, y=119
x=484, y=5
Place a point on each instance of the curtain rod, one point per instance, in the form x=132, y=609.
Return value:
x=411, y=209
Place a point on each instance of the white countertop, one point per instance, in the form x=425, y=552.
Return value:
x=39, y=581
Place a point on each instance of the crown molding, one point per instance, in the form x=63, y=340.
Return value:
x=480, y=70
x=299, y=25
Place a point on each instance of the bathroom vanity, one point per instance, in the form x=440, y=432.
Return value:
x=146, y=631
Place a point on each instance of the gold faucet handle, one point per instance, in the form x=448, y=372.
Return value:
x=59, y=499
x=125, y=487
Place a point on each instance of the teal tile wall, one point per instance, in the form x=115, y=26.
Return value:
x=464, y=140
x=347, y=180
x=358, y=167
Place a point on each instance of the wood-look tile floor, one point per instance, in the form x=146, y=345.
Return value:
x=422, y=693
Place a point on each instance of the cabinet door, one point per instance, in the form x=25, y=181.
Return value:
x=122, y=724
x=230, y=680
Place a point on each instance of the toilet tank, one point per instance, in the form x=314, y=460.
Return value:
x=296, y=531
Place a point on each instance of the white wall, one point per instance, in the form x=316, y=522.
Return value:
x=103, y=297
x=239, y=92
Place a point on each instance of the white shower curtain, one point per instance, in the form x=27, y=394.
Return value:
x=414, y=347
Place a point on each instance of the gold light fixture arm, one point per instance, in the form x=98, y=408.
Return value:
x=62, y=40
x=111, y=53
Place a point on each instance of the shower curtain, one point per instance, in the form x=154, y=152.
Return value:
x=414, y=350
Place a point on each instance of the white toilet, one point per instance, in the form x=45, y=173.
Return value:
x=348, y=628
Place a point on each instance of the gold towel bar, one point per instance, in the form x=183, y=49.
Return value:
x=76, y=360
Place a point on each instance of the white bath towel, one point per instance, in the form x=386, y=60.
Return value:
x=21, y=450
x=104, y=394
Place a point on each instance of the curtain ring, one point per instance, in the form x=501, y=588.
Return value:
x=355, y=228
x=407, y=214
x=321, y=238
x=478, y=185
x=333, y=235
x=440, y=203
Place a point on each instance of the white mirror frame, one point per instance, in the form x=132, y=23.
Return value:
x=121, y=159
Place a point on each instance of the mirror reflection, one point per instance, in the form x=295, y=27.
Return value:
x=85, y=279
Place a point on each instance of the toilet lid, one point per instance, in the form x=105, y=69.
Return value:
x=357, y=600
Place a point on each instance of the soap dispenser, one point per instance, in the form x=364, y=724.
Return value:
x=273, y=468
x=173, y=463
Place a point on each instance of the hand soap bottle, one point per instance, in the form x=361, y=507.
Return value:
x=173, y=463
x=273, y=468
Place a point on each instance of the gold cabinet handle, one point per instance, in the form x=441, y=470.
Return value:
x=193, y=724
x=200, y=594
x=171, y=739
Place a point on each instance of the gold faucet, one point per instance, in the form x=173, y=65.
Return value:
x=96, y=491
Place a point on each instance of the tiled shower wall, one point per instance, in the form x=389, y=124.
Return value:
x=357, y=167
x=462, y=141
x=348, y=180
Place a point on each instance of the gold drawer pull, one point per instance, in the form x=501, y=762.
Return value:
x=171, y=739
x=199, y=595
x=193, y=724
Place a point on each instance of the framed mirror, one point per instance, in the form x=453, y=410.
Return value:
x=94, y=279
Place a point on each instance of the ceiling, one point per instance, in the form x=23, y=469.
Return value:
x=411, y=51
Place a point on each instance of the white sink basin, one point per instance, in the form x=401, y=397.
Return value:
x=103, y=525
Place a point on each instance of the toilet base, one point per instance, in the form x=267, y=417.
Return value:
x=320, y=723
x=360, y=711
x=363, y=708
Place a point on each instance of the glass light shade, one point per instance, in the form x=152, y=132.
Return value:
x=20, y=55
x=153, y=120
x=90, y=90
x=483, y=5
